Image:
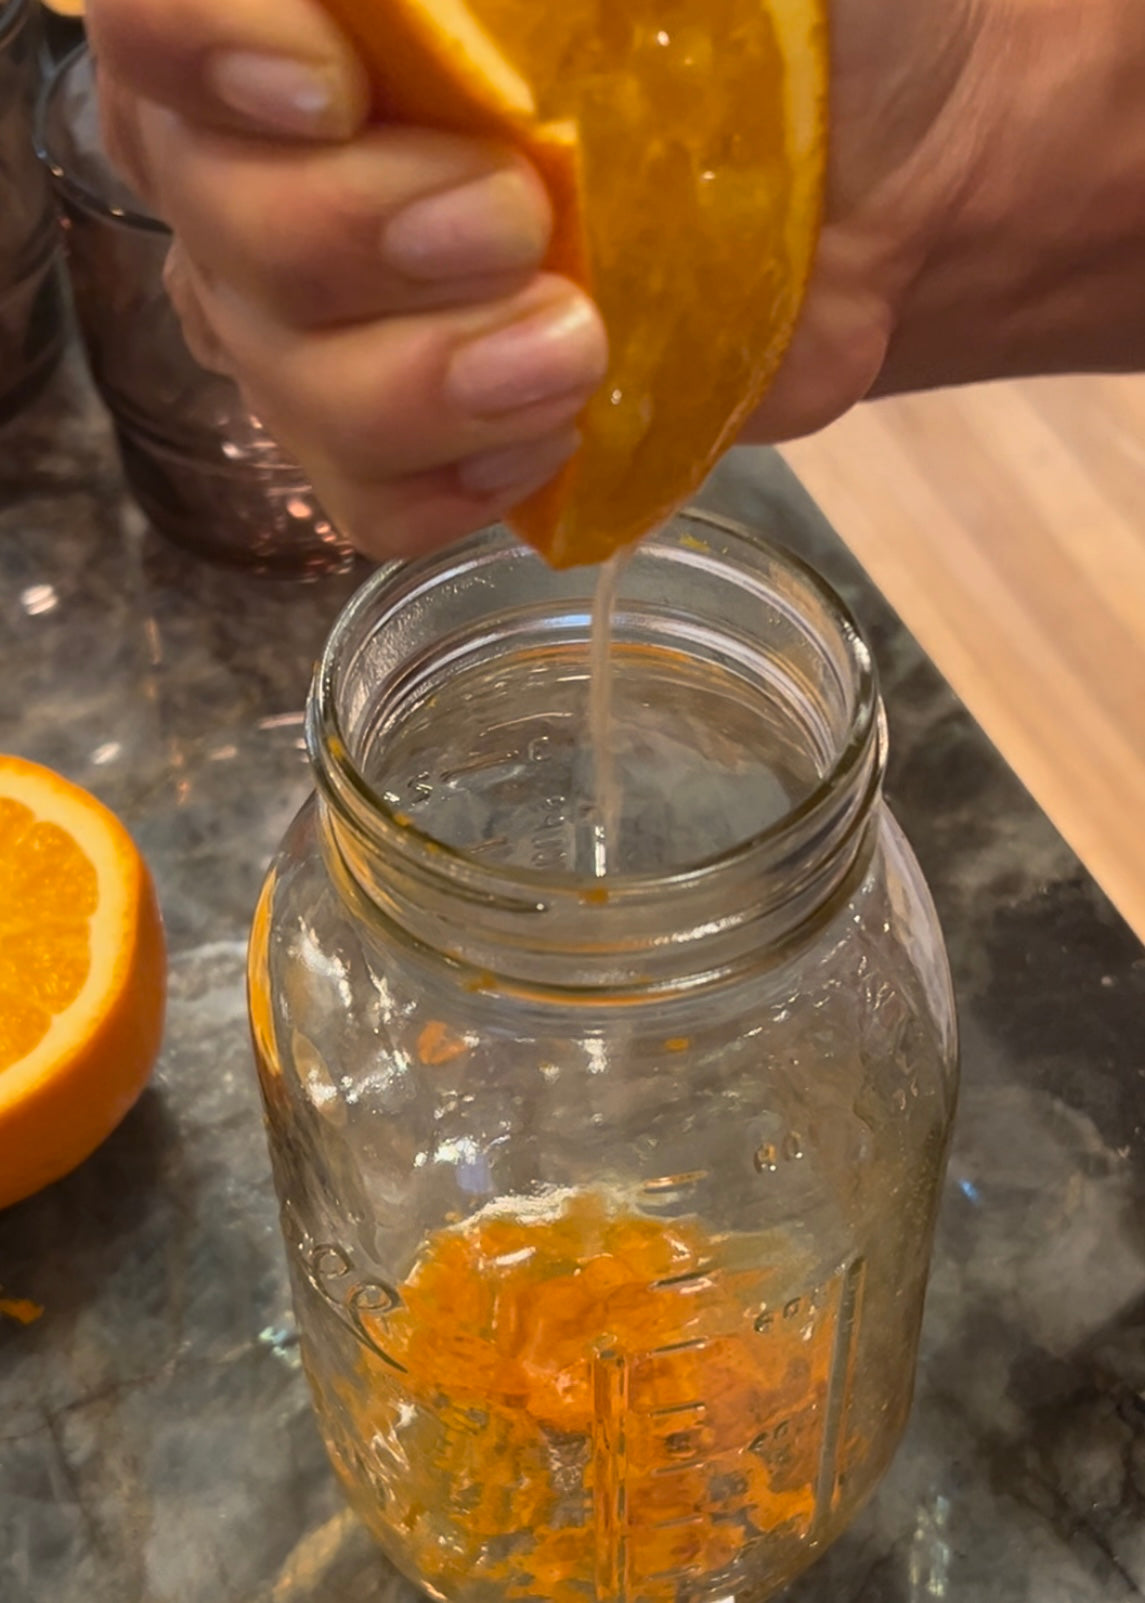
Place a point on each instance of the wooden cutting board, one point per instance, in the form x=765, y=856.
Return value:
x=1006, y=524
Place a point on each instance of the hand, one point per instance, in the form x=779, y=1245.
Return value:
x=905, y=140
x=986, y=209
x=377, y=292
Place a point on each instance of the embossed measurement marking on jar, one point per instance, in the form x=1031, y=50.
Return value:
x=703, y=1437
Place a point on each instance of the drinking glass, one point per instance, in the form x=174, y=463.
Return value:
x=201, y=465
x=61, y=30
x=31, y=299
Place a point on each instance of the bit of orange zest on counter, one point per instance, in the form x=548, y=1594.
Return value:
x=684, y=150
x=82, y=976
x=22, y=1309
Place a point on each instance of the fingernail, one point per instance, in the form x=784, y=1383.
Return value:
x=492, y=225
x=279, y=94
x=523, y=466
x=552, y=353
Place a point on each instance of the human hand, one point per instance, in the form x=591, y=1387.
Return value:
x=905, y=141
x=377, y=291
x=986, y=207
x=347, y=274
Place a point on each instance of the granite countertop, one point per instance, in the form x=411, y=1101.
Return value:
x=156, y=1444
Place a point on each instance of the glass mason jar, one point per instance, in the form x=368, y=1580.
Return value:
x=608, y=1202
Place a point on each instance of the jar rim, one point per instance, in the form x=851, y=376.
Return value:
x=855, y=765
x=130, y=216
x=14, y=15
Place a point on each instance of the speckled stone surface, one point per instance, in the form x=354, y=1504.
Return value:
x=156, y=1444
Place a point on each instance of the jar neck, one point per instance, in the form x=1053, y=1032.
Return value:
x=724, y=600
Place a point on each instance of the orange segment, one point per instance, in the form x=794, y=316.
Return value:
x=82, y=976
x=684, y=145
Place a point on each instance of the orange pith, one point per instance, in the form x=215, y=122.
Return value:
x=683, y=143
x=82, y=976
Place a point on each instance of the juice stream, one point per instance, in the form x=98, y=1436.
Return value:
x=606, y=796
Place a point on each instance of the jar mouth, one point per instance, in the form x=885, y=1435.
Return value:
x=379, y=640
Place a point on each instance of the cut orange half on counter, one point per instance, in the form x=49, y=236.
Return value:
x=684, y=146
x=82, y=976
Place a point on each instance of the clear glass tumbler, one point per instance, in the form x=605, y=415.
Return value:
x=204, y=470
x=61, y=29
x=31, y=297
x=608, y=1201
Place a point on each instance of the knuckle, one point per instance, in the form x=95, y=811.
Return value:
x=305, y=247
x=370, y=393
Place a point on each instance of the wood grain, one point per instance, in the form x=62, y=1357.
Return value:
x=1006, y=524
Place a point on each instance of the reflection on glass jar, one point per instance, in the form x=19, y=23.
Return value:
x=609, y=1204
x=31, y=290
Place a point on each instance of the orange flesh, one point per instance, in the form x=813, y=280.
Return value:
x=683, y=143
x=82, y=976
x=48, y=893
x=693, y=1405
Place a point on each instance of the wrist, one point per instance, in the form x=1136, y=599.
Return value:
x=1034, y=261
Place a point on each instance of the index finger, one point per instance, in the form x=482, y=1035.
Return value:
x=250, y=66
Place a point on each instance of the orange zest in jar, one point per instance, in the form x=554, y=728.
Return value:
x=575, y=1399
